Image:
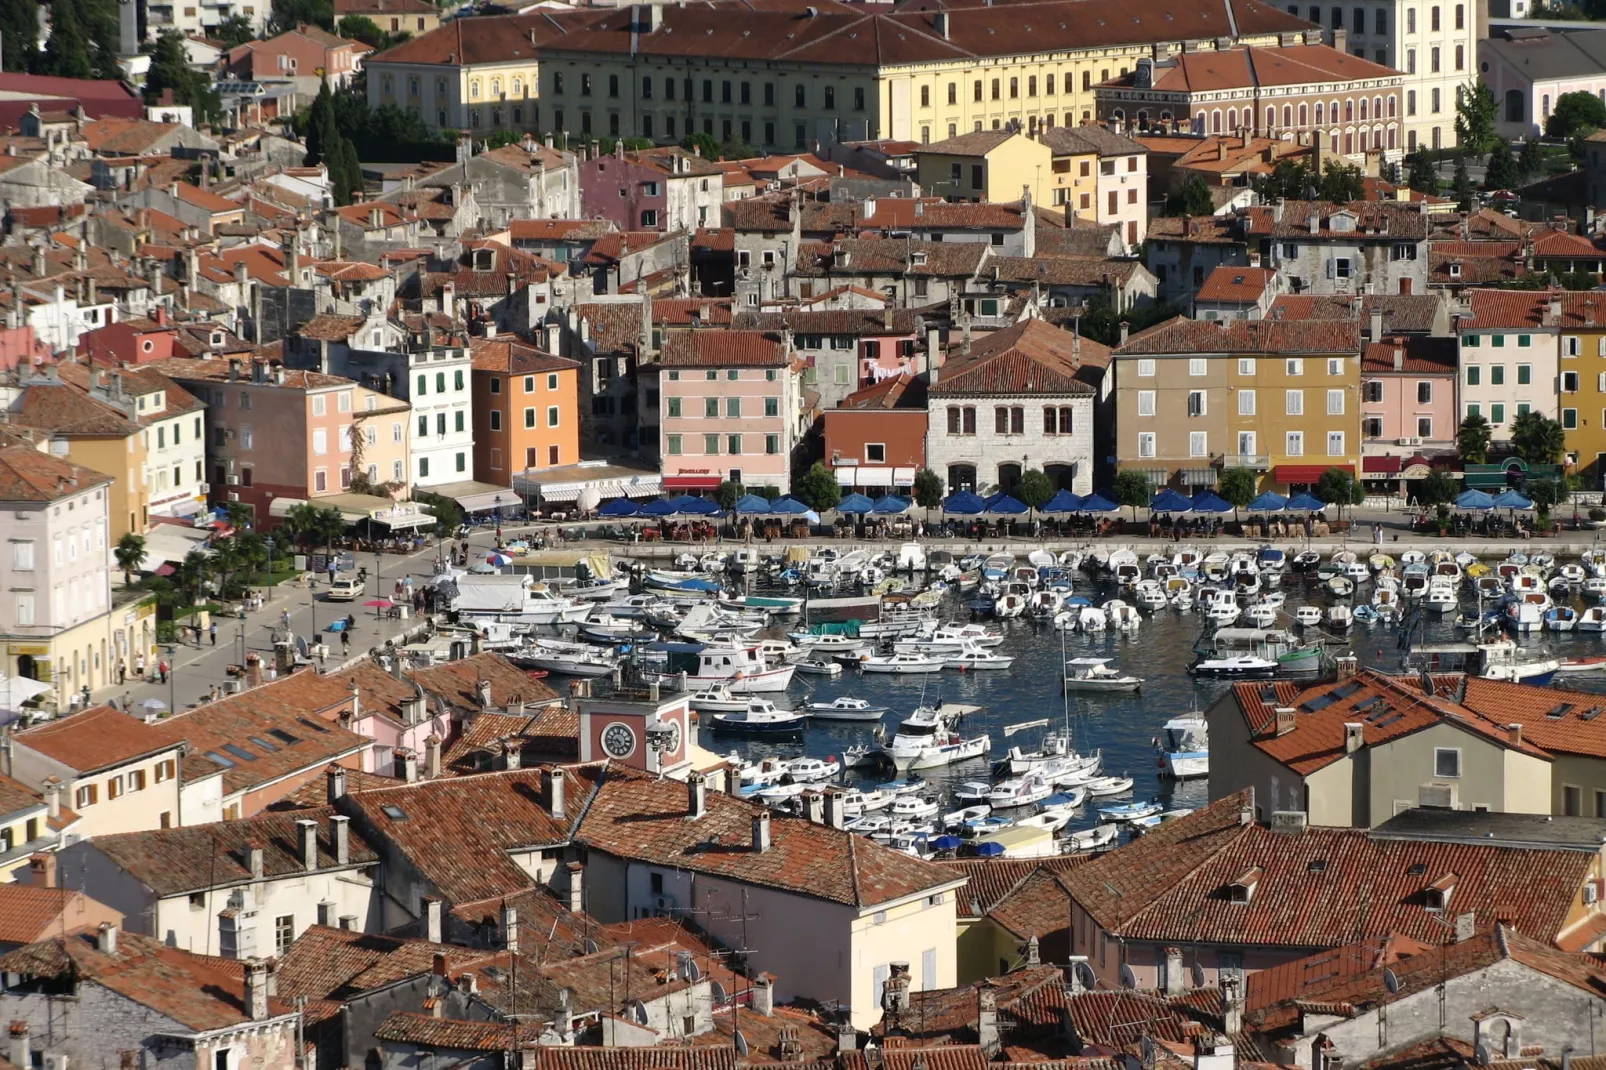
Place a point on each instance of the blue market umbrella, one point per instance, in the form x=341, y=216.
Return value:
x=855, y=505
x=1003, y=503
x=946, y=843
x=619, y=507
x=1170, y=501
x=1512, y=499
x=889, y=504
x=990, y=849
x=1474, y=499
x=658, y=507
x=1269, y=502
x=1305, y=503
x=1210, y=502
x=789, y=506
x=751, y=505
x=963, y=502
x=694, y=506
x=1063, y=501
x=1096, y=503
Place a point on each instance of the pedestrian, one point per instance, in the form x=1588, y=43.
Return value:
x=161, y=667
x=345, y=642
x=139, y=666
x=122, y=671
x=1377, y=534
x=213, y=631
x=323, y=652
x=284, y=620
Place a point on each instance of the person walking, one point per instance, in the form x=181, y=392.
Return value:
x=161, y=667
x=139, y=666
x=213, y=632
x=345, y=642
x=1377, y=534
x=122, y=672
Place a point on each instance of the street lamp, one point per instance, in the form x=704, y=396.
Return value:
x=172, y=678
x=662, y=737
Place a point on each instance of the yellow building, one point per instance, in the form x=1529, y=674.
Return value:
x=1279, y=397
x=96, y=435
x=1581, y=383
x=781, y=78
x=993, y=165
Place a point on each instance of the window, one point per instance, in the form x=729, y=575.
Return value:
x=1497, y=375
x=1196, y=403
x=1497, y=413
x=1145, y=402
x=674, y=445
x=830, y=97
x=1569, y=382
x=1524, y=374
x=711, y=445
x=711, y=408
x=1424, y=392
x=1198, y=444
x=1145, y=444
x=1294, y=444
x=1335, y=443
x=1295, y=366
x=1569, y=419
x=1197, y=365
x=1474, y=374
x=496, y=420
x=1335, y=403
x=733, y=407
x=1146, y=368
x=1424, y=427
x=1372, y=427
x=733, y=444
x=552, y=416
x=1246, y=366
x=1570, y=346
x=22, y=555
x=86, y=795
x=1246, y=403
x=284, y=932
x=1294, y=402
x=1447, y=761
x=529, y=419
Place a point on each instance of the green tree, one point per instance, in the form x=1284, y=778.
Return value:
x=1472, y=439
x=1538, y=439
x=350, y=173
x=1545, y=493
x=1192, y=199
x=1462, y=186
x=67, y=53
x=234, y=31
x=19, y=33
x=703, y=144
x=1576, y=115
x=1474, y=117
x=1342, y=182
x=727, y=493
x=1423, y=175
x=1101, y=321
x=1292, y=181
x=362, y=28
x=1502, y=167
x=321, y=130
x=1532, y=159
x=288, y=14
x=448, y=514
x=130, y=552
x=1034, y=488
x=818, y=489
x=1132, y=488
x=1236, y=487
x=928, y=489
x=1338, y=487
x=171, y=70
x=1439, y=488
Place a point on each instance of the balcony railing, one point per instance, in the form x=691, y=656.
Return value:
x=1259, y=461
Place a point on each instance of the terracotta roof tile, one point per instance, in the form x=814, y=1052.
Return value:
x=26, y=475
x=867, y=322
x=97, y=738
x=549, y=734
x=455, y=682
x=1028, y=358
x=1256, y=67
x=452, y=1034
x=558, y=229
x=1402, y=313
x=1030, y=999
x=1375, y=221
x=896, y=392
x=331, y=328
x=1418, y=356
x=66, y=410
x=1180, y=335
x=509, y=356
x=329, y=963
x=1239, y=284
x=551, y=1057
x=27, y=911
x=722, y=349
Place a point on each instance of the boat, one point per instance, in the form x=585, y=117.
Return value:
x=813, y=769
x=568, y=659
x=516, y=599
x=817, y=668
x=760, y=718
x=1050, y=820
x=960, y=818
x=974, y=657
x=973, y=791
x=1063, y=801
x=1020, y=791
x=1129, y=811
x=845, y=708
x=1340, y=617
x=1560, y=619
x=1234, y=665
x=1592, y=619
x=857, y=803
x=1184, y=746
x=1101, y=787
x=914, y=806
x=1308, y=616
x=1094, y=838
x=1590, y=664
x=900, y=663
x=927, y=739
x=717, y=699
x=741, y=669
x=1092, y=674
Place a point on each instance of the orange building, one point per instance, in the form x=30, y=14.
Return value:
x=526, y=409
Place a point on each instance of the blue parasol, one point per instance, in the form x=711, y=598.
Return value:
x=1170, y=501
x=1096, y=503
x=1003, y=503
x=1512, y=499
x=946, y=843
x=658, y=507
x=693, y=506
x=1305, y=503
x=789, y=506
x=1063, y=501
x=1269, y=502
x=889, y=504
x=1474, y=499
x=1209, y=501
x=619, y=507
x=990, y=849
x=964, y=503
x=855, y=505
x=751, y=505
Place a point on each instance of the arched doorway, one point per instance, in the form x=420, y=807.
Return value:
x=27, y=667
x=1063, y=476
x=961, y=477
x=1008, y=477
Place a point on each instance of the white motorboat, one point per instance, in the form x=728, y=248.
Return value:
x=1093, y=674
x=817, y=668
x=900, y=663
x=1245, y=665
x=1122, y=617
x=717, y=699
x=1308, y=616
x=914, y=806
x=1105, y=786
x=810, y=770
x=1020, y=791
x=856, y=802
x=1131, y=811
x=845, y=708
x=1064, y=801
x=1049, y=821
x=1592, y=619
x=1340, y=617
x=569, y=659
x=1261, y=615
x=927, y=739
x=962, y=817
x=511, y=598
x=973, y=791
x=977, y=658
x=1094, y=838
x=1184, y=746
x=741, y=669
x=760, y=718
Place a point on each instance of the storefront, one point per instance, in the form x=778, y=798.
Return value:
x=879, y=478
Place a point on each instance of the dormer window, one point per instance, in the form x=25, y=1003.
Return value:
x=1437, y=896
x=1242, y=888
x=1455, y=270
x=484, y=259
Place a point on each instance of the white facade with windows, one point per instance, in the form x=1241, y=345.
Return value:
x=1507, y=372
x=983, y=444
x=175, y=456
x=440, y=389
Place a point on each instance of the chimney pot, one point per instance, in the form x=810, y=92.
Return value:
x=106, y=938
x=576, y=887
x=337, y=784
x=510, y=928
x=256, y=989
x=552, y=783
x=340, y=832
x=761, y=832
x=307, y=836
x=696, y=796
x=432, y=919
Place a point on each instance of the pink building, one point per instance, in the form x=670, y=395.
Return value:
x=1408, y=400
x=304, y=52
x=730, y=409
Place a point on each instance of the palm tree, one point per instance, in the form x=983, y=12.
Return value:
x=130, y=552
x=1538, y=439
x=1472, y=439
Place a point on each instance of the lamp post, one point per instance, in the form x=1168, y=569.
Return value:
x=660, y=739
x=172, y=678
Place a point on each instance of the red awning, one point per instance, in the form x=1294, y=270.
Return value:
x=1305, y=473
x=1388, y=465
x=691, y=482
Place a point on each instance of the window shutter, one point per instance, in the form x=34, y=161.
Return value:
x=1331, y=267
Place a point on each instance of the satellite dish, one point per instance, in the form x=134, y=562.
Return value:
x=301, y=646
x=637, y=1011
x=1085, y=974
x=590, y=946
x=1485, y=1053
x=1128, y=978
x=1198, y=976
x=717, y=991
x=588, y=500
x=1391, y=981
x=741, y=1043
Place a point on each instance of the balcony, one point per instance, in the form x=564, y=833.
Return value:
x=1260, y=462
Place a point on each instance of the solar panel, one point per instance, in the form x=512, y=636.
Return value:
x=1388, y=721
x=1379, y=713
x=1344, y=691
x=282, y=736
x=1320, y=702
x=239, y=752
x=1375, y=700
x=1560, y=711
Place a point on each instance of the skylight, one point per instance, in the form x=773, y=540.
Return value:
x=264, y=744
x=239, y=752
x=395, y=813
x=220, y=760
x=283, y=736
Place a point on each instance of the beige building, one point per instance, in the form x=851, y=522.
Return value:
x=115, y=772
x=989, y=165
x=1100, y=175
x=777, y=80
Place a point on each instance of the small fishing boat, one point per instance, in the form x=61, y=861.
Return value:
x=813, y=769
x=1308, y=616
x=914, y=806
x=1094, y=838
x=1560, y=619
x=818, y=668
x=1105, y=786
x=760, y=718
x=1065, y=801
x=717, y=699
x=962, y=817
x=1234, y=665
x=900, y=663
x=1184, y=746
x=1020, y=791
x=973, y=791
x=1093, y=674
x=1592, y=619
x=1051, y=820
x=1340, y=617
x=977, y=658
x=1130, y=811
x=845, y=708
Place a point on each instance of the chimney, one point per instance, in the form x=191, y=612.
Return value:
x=512, y=754
x=307, y=839
x=696, y=796
x=256, y=989
x=20, y=1051
x=1232, y=999
x=1514, y=734
x=1315, y=221
x=106, y=938
x=847, y=1037
x=552, y=784
x=833, y=809
x=42, y=869
x=895, y=991
x=761, y=831
x=1034, y=952
x=482, y=691
x=337, y=784
x=1555, y=311
x=1173, y=971
x=432, y=918
x=253, y=860
x=510, y=928
x=1284, y=723
x=292, y=258
x=53, y=790
x=1354, y=736
x=1125, y=329
x=1399, y=356
x=432, y=756
x=987, y=1019
x=1376, y=332
x=340, y=832
x=764, y=995
x=576, y=887
x=406, y=765
x=814, y=807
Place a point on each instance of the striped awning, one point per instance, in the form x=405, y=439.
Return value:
x=1157, y=476
x=1198, y=477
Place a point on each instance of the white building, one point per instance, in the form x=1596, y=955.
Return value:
x=436, y=382
x=1510, y=356
x=1528, y=69
x=1014, y=400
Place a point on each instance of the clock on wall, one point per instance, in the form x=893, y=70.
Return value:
x=619, y=740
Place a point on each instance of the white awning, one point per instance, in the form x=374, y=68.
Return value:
x=406, y=521
x=502, y=497
x=179, y=507
x=903, y=477
x=282, y=506
x=642, y=487
x=847, y=477
x=877, y=476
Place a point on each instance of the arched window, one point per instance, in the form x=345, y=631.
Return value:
x=1349, y=111
x=1288, y=116
x=1271, y=118
x=1393, y=104
x=496, y=87
x=474, y=89
x=518, y=87
x=388, y=84
x=1516, y=104
x=1392, y=132
x=1319, y=110
x=1304, y=115
x=1377, y=107
x=1215, y=121
x=1363, y=109
x=961, y=477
